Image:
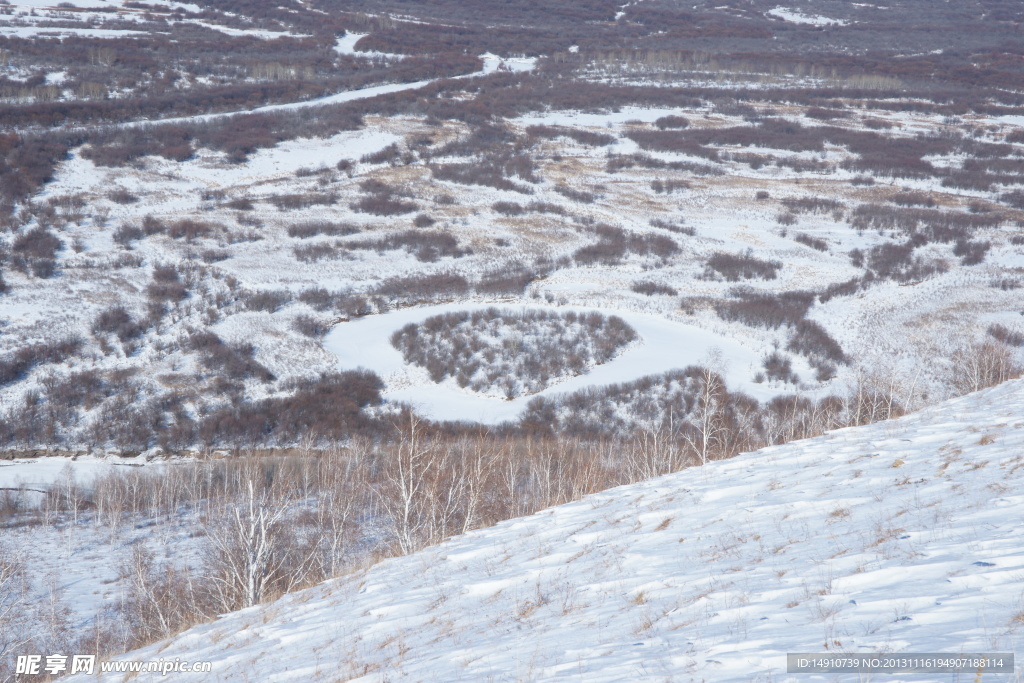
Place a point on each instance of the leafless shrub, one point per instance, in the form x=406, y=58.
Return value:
x=117, y=321
x=20, y=363
x=122, y=196
x=780, y=368
x=35, y=251
x=581, y=196
x=266, y=300
x=983, y=364
x=810, y=339
x=493, y=171
x=786, y=218
x=971, y=253
x=764, y=309
x=862, y=180
x=875, y=123
x=537, y=347
x=241, y=204
x=1005, y=334
x=318, y=298
x=166, y=286
x=814, y=205
x=678, y=228
x=214, y=255
x=290, y=202
x=124, y=260
x=384, y=205
x=426, y=245
x=314, y=228
x=153, y=226
x=161, y=599
x=672, y=121
x=649, y=288
x=812, y=242
x=615, y=243
x=545, y=207
x=234, y=361
x=847, y=288
x=423, y=287
x=734, y=267
x=669, y=186
x=128, y=233
x=328, y=407
x=389, y=155
x=584, y=137
x=896, y=262
x=508, y=208
x=911, y=198
x=190, y=229
x=1005, y=283
x=311, y=253
x=423, y=221
x=310, y=326
x=513, y=278
x=929, y=221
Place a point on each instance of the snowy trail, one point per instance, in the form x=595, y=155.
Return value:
x=491, y=64
x=664, y=345
x=902, y=536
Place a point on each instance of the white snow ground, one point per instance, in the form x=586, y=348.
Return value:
x=899, y=536
x=798, y=17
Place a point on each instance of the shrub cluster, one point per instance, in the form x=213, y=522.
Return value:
x=514, y=352
x=812, y=242
x=584, y=137
x=746, y=266
x=650, y=288
x=1006, y=335
x=20, y=363
x=428, y=287
x=614, y=244
x=117, y=321
x=765, y=309
x=166, y=286
x=780, y=368
x=235, y=361
x=35, y=251
x=314, y=228
x=426, y=245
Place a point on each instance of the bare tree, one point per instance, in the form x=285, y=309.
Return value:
x=247, y=547
x=984, y=364
x=404, y=486
x=14, y=595
x=709, y=427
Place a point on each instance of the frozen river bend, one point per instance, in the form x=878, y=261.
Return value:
x=662, y=345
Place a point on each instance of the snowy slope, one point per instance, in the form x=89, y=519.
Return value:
x=901, y=536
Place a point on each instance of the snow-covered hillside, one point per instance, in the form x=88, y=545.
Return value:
x=899, y=536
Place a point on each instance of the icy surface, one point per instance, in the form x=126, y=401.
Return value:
x=898, y=536
x=663, y=345
x=798, y=17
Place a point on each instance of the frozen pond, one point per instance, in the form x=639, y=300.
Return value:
x=663, y=345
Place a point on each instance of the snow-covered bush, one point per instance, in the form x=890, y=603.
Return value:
x=510, y=352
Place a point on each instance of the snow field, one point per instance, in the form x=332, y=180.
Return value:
x=897, y=536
